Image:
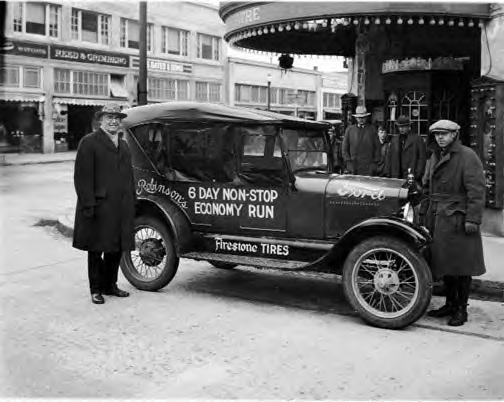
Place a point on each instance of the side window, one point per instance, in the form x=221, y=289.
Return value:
x=154, y=139
x=261, y=157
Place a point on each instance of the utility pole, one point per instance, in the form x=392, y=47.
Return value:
x=142, y=74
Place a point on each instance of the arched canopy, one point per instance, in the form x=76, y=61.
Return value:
x=330, y=28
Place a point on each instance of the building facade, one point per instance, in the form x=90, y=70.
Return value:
x=63, y=60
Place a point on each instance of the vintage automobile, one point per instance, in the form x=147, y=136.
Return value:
x=235, y=186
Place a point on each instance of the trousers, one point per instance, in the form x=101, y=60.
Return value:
x=102, y=270
x=457, y=289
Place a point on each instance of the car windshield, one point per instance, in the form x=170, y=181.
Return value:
x=307, y=149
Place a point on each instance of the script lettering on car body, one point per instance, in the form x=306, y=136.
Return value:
x=153, y=187
x=361, y=192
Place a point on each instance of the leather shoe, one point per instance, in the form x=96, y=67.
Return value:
x=444, y=311
x=115, y=291
x=97, y=298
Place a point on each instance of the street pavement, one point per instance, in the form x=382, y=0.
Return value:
x=212, y=334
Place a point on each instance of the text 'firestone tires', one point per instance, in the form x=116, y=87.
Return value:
x=387, y=282
x=153, y=263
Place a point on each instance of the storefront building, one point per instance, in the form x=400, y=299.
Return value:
x=65, y=60
x=428, y=60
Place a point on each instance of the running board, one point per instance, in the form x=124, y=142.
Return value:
x=242, y=260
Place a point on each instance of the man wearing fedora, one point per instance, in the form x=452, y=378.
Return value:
x=455, y=185
x=407, y=152
x=103, y=179
x=361, y=146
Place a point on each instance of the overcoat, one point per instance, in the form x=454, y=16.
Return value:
x=103, y=179
x=455, y=185
x=412, y=155
x=361, y=150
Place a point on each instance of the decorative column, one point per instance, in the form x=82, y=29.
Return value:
x=361, y=49
x=47, y=111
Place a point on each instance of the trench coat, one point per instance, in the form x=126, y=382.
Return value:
x=103, y=179
x=361, y=150
x=455, y=185
x=412, y=156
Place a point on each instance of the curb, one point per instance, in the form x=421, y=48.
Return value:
x=480, y=288
x=20, y=160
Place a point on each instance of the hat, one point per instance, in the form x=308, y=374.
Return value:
x=444, y=125
x=112, y=108
x=403, y=120
x=361, y=112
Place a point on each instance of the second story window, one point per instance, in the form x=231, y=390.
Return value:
x=89, y=26
x=130, y=34
x=20, y=76
x=208, y=47
x=37, y=18
x=175, y=41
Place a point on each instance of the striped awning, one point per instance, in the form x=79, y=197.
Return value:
x=88, y=102
x=21, y=97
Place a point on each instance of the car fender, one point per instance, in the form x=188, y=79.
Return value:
x=176, y=220
x=417, y=236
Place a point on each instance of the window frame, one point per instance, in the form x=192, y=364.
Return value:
x=123, y=34
x=76, y=22
x=20, y=68
x=183, y=41
x=216, y=47
x=73, y=83
x=19, y=26
x=207, y=85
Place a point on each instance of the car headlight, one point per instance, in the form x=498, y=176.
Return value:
x=408, y=212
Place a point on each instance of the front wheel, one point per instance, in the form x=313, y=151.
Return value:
x=153, y=263
x=387, y=282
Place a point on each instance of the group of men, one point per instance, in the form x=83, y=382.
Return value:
x=453, y=184
x=452, y=180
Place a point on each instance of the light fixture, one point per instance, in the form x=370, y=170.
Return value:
x=388, y=21
x=399, y=20
x=288, y=27
x=432, y=21
x=366, y=21
x=280, y=28
x=421, y=21
x=265, y=30
x=470, y=23
x=254, y=33
x=377, y=21
x=441, y=21
x=305, y=25
x=480, y=23
x=410, y=21
x=461, y=23
x=296, y=26
x=324, y=23
x=259, y=31
x=451, y=22
x=356, y=21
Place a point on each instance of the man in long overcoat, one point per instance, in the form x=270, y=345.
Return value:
x=407, y=151
x=104, y=216
x=361, y=146
x=455, y=184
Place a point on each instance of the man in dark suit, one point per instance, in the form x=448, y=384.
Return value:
x=104, y=215
x=407, y=151
x=361, y=147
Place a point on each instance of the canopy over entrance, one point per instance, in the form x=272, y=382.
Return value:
x=331, y=28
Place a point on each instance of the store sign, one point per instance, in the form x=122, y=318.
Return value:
x=60, y=117
x=162, y=65
x=88, y=56
x=29, y=49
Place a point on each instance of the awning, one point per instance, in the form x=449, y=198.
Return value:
x=88, y=102
x=117, y=88
x=20, y=97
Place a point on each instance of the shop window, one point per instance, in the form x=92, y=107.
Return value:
x=9, y=76
x=31, y=77
x=37, y=18
x=251, y=94
x=306, y=97
x=174, y=41
x=62, y=82
x=331, y=100
x=208, y=92
x=414, y=105
x=182, y=90
x=208, y=47
x=167, y=89
x=89, y=26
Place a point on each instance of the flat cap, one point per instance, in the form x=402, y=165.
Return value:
x=403, y=120
x=444, y=125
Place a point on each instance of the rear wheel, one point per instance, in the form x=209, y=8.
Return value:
x=153, y=263
x=387, y=282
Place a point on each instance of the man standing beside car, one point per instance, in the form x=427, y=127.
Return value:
x=361, y=147
x=407, y=152
x=103, y=179
x=455, y=184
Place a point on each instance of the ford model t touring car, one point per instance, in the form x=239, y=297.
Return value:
x=234, y=186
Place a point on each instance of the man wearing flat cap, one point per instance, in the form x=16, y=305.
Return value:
x=455, y=185
x=103, y=179
x=361, y=147
x=407, y=153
